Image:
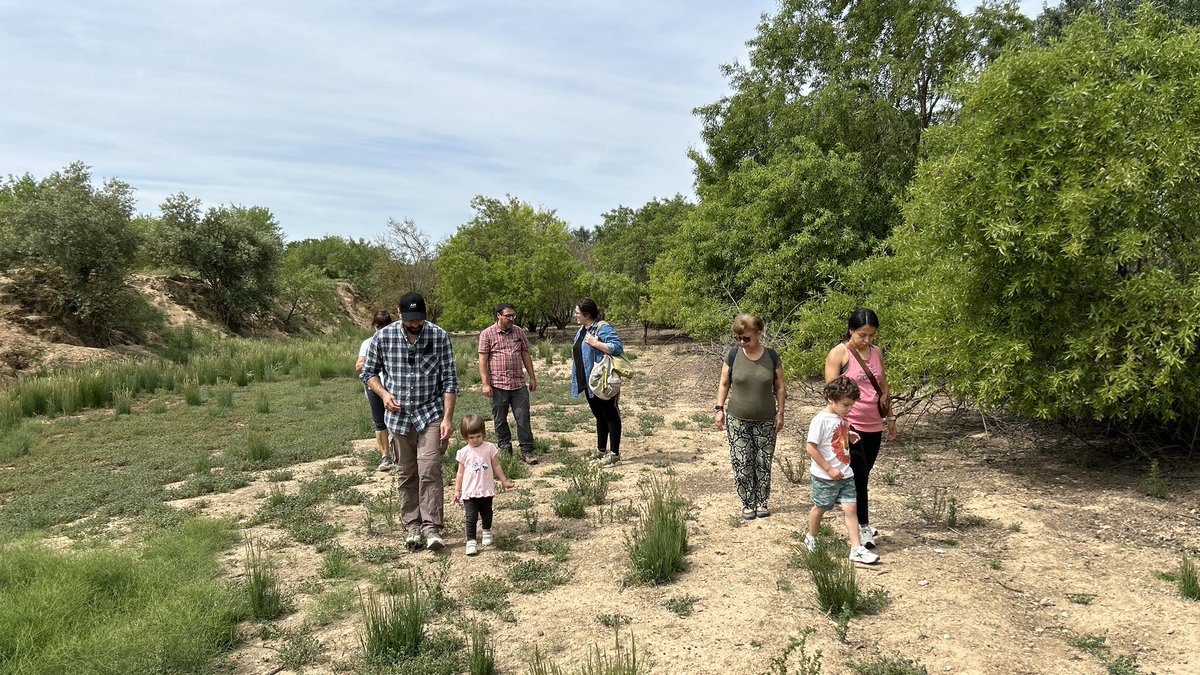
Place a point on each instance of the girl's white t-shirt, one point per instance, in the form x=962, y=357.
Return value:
x=479, y=479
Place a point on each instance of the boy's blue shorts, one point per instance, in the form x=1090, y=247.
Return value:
x=826, y=493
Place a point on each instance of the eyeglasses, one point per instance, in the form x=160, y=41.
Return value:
x=742, y=338
x=509, y=316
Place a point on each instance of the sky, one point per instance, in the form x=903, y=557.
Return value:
x=339, y=116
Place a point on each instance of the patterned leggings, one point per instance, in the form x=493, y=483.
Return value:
x=751, y=448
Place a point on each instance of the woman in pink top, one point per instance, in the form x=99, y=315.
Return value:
x=864, y=418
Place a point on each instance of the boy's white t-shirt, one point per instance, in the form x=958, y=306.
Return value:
x=478, y=475
x=365, y=346
x=831, y=435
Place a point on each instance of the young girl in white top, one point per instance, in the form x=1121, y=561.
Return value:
x=475, y=485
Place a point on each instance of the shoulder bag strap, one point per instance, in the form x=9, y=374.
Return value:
x=870, y=375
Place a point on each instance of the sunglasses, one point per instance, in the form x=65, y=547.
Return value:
x=412, y=353
x=742, y=338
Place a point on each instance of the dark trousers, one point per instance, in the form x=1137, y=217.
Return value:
x=518, y=400
x=608, y=422
x=862, y=458
x=478, y=508
x=376, y=409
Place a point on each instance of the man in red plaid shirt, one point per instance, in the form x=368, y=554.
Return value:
x=503, y=351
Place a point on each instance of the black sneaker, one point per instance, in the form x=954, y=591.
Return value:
x=529, y=458
x=413, y=541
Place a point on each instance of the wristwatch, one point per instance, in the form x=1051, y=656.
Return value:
x=718, y=407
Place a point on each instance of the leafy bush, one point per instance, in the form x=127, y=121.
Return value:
x=569, y=504
x=1046, y=264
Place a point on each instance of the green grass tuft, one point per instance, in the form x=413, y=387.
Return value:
x=659, y=540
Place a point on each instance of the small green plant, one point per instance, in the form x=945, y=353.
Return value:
x=16, y=443
x=513, y=467
x=262, y=402
x=613, y=621
x=1081, y=598
x=280, y=476
x=531, y=520
x=534, y=576
x=796, y=656
x=1014, y=527
x=380, y=554
x=569, y=504
x=915, y=453
x=995, y=564
x=1155, y=484
x=483, y=655
x=299, y=649
x=1097, y=646
x=337, y=564
x=682, y=606
x=509, y=542
x=393, y=626
x=590, y=481
x=963, y=447
x=621, y=662
x=489, y=593
x=122, y=401
x=890, y=477
x=1189, y=586
x=659, y=541
x=559, y=550
x=191, y=393
x=258, y=447
x=224, y=397
x=889, y=665
x=794, y=472
x=266, y=600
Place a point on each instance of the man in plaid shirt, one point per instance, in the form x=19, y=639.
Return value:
x=503, y=350
x=417, y=360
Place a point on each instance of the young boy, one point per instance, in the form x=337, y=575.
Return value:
x=832, y=478
x=475, y=484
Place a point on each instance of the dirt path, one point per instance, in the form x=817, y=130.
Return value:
x=992, y=598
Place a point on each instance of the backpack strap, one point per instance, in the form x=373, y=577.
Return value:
x=732, y=356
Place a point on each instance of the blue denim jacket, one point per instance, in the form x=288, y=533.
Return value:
x=608, y=335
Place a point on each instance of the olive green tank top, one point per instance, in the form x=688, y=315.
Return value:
x=752, y=389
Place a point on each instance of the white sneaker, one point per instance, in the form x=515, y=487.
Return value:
x=609, y=460
x=386, y=464
x=862, y=555
x=486, y=540
x=433, y=541
x=472, y=549
x=866, y=536
x=810, y=543
x=874, y=532
x=413, y=541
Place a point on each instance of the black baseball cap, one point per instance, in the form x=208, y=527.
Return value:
x=412, y=307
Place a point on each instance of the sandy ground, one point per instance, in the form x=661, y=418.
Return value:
x=990, y=598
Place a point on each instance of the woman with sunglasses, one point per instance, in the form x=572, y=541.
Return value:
x=749, y=407
x=859, y=359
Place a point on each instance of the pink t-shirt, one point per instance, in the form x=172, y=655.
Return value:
x=864, y=416
x=478, y=477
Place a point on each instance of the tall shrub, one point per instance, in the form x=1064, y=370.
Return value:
x=1049, y=261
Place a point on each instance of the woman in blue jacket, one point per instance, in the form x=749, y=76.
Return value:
x=593, y=340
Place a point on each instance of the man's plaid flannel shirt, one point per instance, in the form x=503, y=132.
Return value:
x=416, y=374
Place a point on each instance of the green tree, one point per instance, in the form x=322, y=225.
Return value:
x=1049, y=260
x=75, y=244
x=338, y=258
x=1051, y=23
x=235, y=250
x=805, y=162
x=305, y=292
x=509, y=252
x=625, y=247
x=409, y=266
